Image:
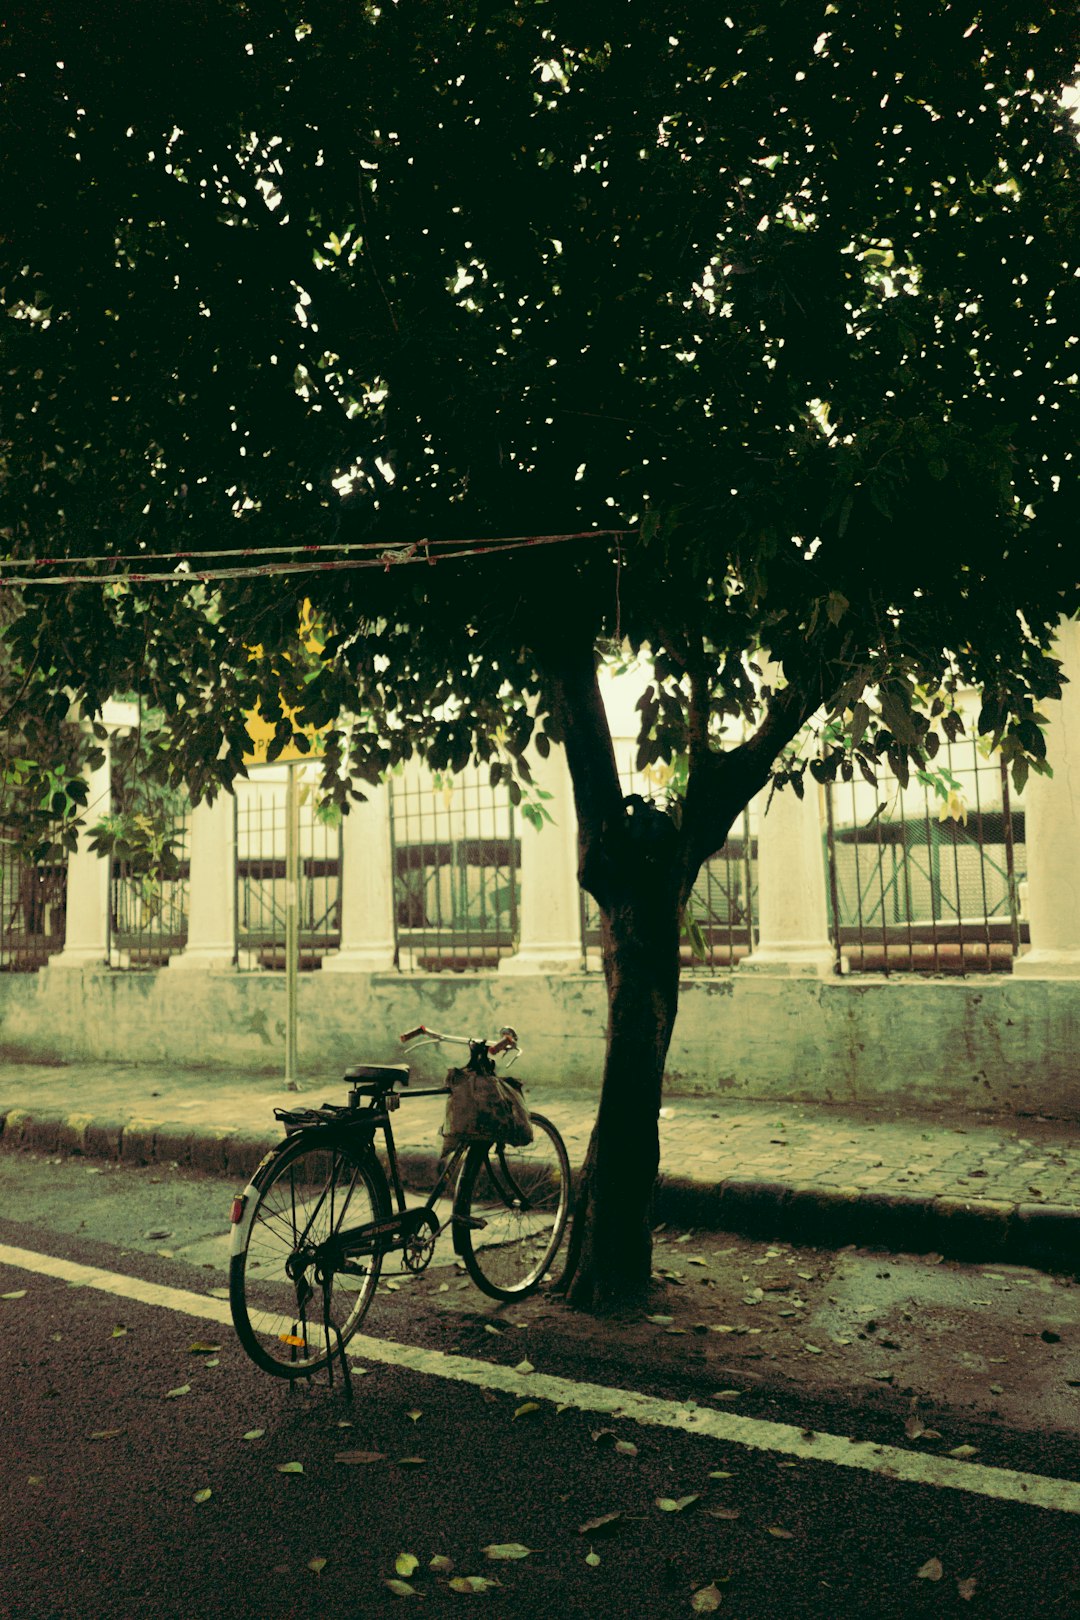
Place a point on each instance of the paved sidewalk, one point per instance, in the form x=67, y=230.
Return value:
x=976, y=1187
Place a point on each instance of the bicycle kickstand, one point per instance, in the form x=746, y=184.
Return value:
x=340, y=1351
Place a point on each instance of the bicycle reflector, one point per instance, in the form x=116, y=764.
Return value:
x=236, y=1214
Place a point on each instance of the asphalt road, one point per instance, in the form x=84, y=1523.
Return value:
x=104, y=1461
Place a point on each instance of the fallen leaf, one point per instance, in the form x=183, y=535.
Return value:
x=254, y=1434
x=724, y=1513
x=441, y=1564
x=727, y=1394
x=526, y=1407
x=358, y=1458
x=317, y=1565
x=964, y=1451
x=524, y=1367
x=660, y=1321
x=966, y=1588
x=118, y=1331
x=707, y=1599
x=489, y=1327
x=415, y=1416
x=931, y=1570
x=914, y=1427
x=290, y=1468
x=721, y=1473
x=400, y=1588
x=411, y=1462
x=781, y=1535
x=600, y=1526
x=173, y=1394
x=592, y=1559
x=104, y=1434
x=674, y=1504
x=406, y=1564
x=204, y=1495
x=505, y=1551
x=814, y=1349
x=471, y=1583
x=626, y=1448
x=202, y=1348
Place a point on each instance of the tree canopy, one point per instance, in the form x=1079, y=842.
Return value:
x=774, y=312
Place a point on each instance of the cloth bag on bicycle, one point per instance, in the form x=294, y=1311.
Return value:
x=484, y=1108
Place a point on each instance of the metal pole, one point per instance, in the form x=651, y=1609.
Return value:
x=292, y=917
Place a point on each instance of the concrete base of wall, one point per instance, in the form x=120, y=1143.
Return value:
x=1001, y=1044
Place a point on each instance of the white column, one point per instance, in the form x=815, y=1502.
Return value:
x=550, y=932
x=1052, y=806
x=211, y=941
x=367, y=888
x=86, y=930
x=793, y=920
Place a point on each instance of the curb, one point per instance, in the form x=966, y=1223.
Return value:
x=1046, y=1236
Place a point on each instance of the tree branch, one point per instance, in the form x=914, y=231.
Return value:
x=573, y=693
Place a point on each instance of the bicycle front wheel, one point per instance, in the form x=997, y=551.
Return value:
x=287, y=1317
x=511, y=1210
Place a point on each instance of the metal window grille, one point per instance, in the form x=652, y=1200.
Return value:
x=148, y=911
x=457, y=858
x=723, y=905
x=924, y=883
x=260, y=873
x=33, y=906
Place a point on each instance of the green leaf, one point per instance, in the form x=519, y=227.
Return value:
x=204, y=1495
x=290, y=1468
x=406, y=1563
x=675, y=1504
x=505, y=1551
x=706, y=1600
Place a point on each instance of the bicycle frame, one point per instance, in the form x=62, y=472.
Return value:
x=396, y=1230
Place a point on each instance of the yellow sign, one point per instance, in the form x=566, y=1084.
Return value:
x=261, y=731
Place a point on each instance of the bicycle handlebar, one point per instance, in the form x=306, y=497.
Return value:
x=506, y=1042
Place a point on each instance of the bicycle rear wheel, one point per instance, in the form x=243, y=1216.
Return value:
x=315, y=1187
x=521, y=1198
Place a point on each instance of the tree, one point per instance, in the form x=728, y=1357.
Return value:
x=774, y=315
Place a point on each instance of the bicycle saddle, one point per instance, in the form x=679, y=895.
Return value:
x=384, y=1077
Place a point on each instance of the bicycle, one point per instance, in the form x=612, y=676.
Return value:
x=301, y=1280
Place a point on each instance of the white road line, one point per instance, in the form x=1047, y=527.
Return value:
x=889, y=1462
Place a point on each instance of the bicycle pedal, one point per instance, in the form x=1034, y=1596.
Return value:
x=473, y=1223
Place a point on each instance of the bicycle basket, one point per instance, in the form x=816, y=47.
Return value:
x=484, y=1108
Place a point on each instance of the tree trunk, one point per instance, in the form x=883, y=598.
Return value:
x=610, y=1256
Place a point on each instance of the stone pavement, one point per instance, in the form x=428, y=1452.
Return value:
x=977, y=1187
